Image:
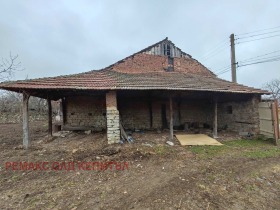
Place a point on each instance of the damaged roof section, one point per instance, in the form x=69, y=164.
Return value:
x=149, y=69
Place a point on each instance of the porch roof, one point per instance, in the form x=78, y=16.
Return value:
x=113, y=80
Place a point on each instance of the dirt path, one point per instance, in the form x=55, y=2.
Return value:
x=158, y=176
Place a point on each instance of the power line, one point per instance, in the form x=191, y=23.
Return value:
x=218, y=51
x=248, y=64
x=224, y=71
x=261, y=55
x=257, y=39
x=265, y=61
x=264, y=58
x=224, y=41
x=259, y=30
x=245, y=37
x=223, y=68
x=256, y=59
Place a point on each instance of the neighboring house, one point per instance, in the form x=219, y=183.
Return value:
x=158, y=87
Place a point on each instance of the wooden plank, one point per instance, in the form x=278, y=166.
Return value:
x=171, y=117
x=277, y=117
x=265, y=118
x=215, y=119
x=50, y=117
x=151, y=113
x=275, y=121
x=123, y=133
x=64, y=111
x=25, y=121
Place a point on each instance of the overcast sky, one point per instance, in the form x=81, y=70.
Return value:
x=64, y=37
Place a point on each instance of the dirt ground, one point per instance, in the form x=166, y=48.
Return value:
x=242, y=174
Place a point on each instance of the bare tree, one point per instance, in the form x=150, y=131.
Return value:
x=8, y=66
x=10, y=102
x=274, y=87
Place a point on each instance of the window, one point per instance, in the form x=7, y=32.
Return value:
x=166, y=49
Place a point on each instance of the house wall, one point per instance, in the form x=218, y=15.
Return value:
x=200, y=112
x=86, y=111
x=244, y=116
x=135, y=113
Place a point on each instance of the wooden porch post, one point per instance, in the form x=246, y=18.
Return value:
x=64, y=112
x=25, y=121
x=215, y=119
x=50, y=116
x=171, y=117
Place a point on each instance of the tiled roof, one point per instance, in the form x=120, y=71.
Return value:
x=113, y=80
x=141, y=71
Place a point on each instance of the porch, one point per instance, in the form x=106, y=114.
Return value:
x=192, y=111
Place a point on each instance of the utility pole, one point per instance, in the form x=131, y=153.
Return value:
x=233, y=62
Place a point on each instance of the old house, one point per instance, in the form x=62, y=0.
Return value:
x=158, y=87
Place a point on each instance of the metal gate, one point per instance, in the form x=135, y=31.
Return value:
x=269, y=122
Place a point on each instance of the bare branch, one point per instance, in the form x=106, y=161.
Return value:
x=274, y=87
x=8, y=66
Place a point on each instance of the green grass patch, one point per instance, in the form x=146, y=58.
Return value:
x=207, y=151
x=251, y=148
x=163, y=150
x=248, y=143
x=264, y=153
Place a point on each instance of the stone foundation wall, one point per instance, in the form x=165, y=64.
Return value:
x=87, y=111
x=244, y=116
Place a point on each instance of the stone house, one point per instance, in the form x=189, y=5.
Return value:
x=158, y=87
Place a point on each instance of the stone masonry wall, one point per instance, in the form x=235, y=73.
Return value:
x=200, y=112
x=86, y=111
x=113, y=120
x=135, y=114
x=244, y=116
x=156, y=110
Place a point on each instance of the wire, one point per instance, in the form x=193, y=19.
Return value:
x=215, y=53
x=256, y=59
x=270, y=60
x=224, y=71
x=223, y=68
x=261, y=55
x=248, y=64
x=257, y=35
x=257, y=39
x=224, y=41
x=259, y=31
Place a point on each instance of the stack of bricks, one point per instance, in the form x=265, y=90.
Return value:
x=113, y=120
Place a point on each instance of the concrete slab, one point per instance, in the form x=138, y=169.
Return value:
x=197, y=139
